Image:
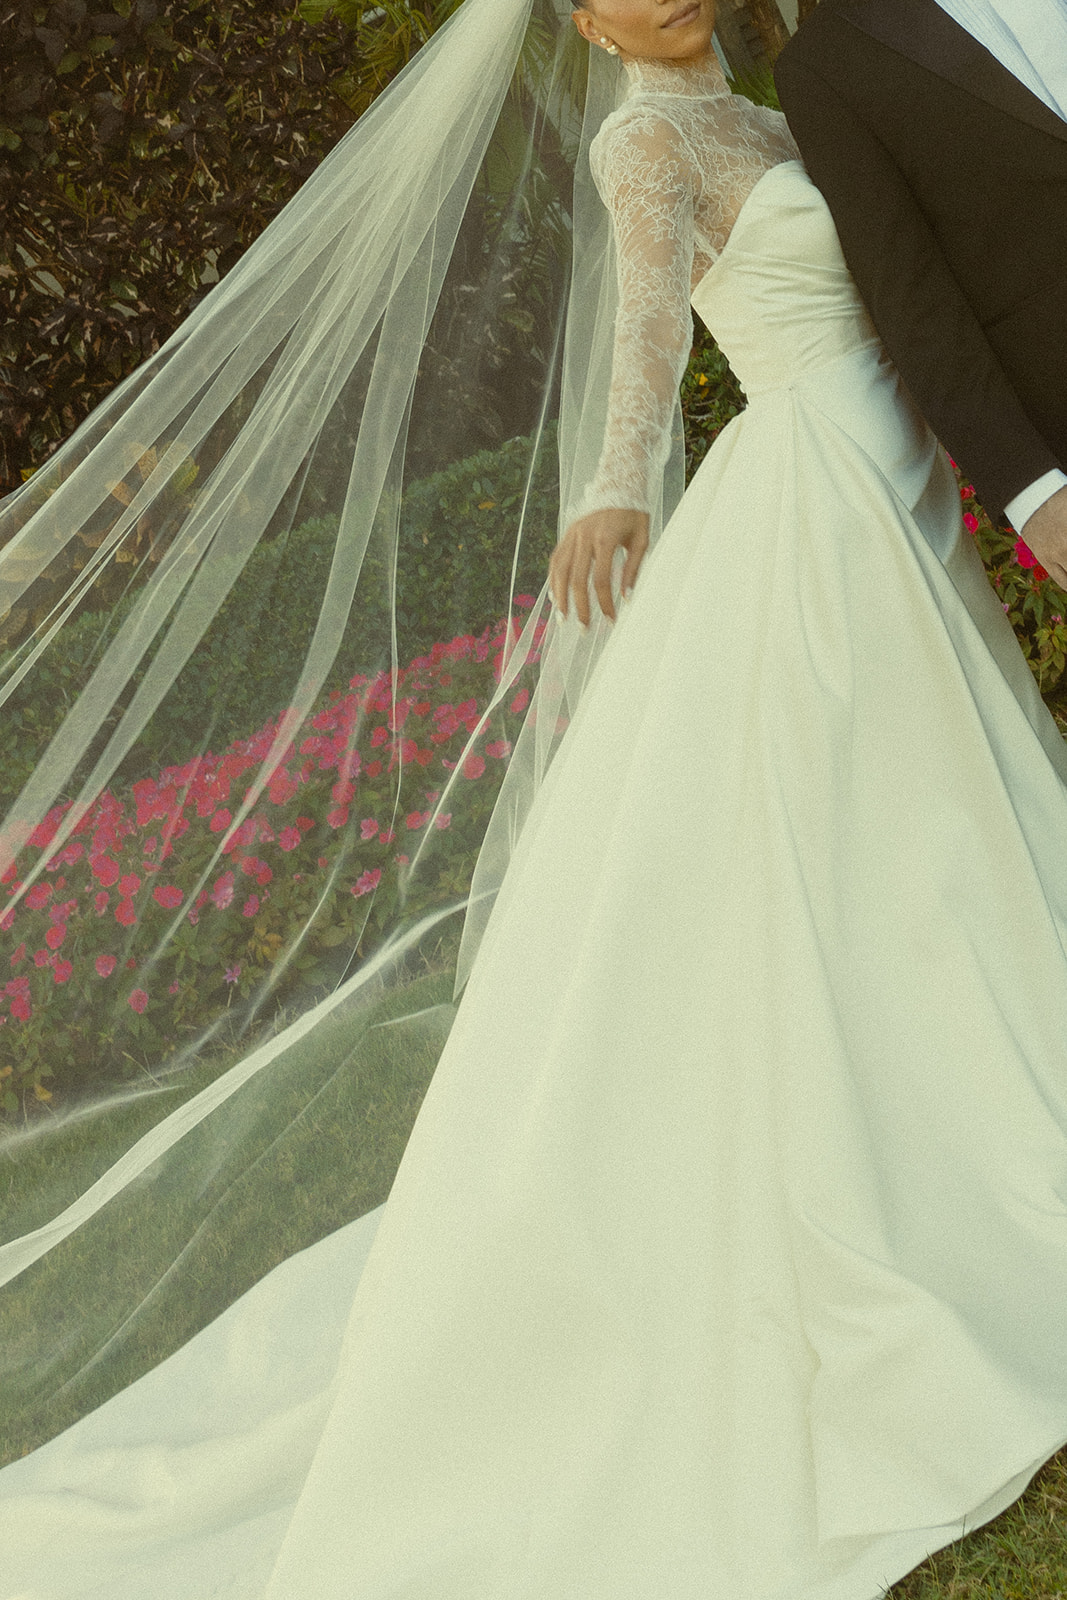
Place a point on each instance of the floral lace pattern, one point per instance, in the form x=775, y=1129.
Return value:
x=674, y=165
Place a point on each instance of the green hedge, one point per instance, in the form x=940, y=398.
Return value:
x=454, y=563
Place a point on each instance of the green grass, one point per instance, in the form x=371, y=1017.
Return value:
x=325, y=1125
x=1022, y=1555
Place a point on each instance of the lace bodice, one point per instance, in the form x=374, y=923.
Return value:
x=674, y=165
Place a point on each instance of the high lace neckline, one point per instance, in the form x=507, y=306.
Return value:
x=694, y=80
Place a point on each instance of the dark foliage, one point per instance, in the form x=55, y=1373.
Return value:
x=142, y=148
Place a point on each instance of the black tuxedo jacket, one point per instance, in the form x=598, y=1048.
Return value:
x=947, y=180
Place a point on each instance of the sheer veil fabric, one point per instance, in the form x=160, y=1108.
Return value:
x=234, y=930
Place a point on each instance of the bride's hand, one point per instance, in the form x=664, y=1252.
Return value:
x=589, y=546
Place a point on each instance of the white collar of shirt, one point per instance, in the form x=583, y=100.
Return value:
x=1029, y=37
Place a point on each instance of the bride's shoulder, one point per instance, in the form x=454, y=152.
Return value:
x=638, y=134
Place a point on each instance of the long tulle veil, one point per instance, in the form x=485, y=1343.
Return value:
x=276, y=643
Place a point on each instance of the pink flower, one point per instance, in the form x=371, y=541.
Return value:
x=970, y=521
x=222, y=893
x=444, y=820
x=125, y=913
x=373, y=769
x=337, y=817
x=387, y=836
x=104, y=870
x=525, y=601
x=966, y=491
x=168, y=895
x=521, y=701
x=289, y=838
x=138, y=1000
x=498, y=749
x=220, y=820
x=55, y=935
x=7, y=921
x=232, y=974
x=42, y=958
x=251, y=906
x=379, y=737
x=39, y=896
x=105, y=966
x=416, y=819
x=20, y=954
x=62, y=971
x=473, y=767
x=21, y=1008
x=129, y=884
x=368, y=828
x=368, y=881
x=101, y=901
x=174, y=988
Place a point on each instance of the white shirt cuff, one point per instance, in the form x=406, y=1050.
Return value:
x=1021, y=509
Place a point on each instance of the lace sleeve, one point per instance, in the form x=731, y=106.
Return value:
x=647, y=179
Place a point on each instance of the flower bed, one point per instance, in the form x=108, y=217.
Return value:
x=165, y=911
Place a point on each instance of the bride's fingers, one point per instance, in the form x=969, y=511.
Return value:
x=634, y=557
x=559, y=573
x=605, y=557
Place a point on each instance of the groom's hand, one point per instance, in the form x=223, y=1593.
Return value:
x=1046, y=534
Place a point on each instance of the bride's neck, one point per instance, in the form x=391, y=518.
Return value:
x=693, y=78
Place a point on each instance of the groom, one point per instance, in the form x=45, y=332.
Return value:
x=937, y=132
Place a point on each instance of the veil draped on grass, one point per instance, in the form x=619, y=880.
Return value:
x=279, y=682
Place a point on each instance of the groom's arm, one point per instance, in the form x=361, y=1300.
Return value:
x=928, y=327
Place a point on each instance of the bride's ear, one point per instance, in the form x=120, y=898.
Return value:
x=583, y=21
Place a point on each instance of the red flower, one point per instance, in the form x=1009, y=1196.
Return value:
x=105, y=966
x=220, y=820
x=101, y=902
x=222, y=893
x=168, y=895
x=970, y=521
x=125, y=913
x=20, y=954
x=55, y=935
x=62, y=971
x=251, y=906
x=138, y=1000
x=498, y=749
x=473, y=767
x=1026, y=558
x=368, y=828
x=337, y=817
x=39, y=896
x=7, y=921
x=416, y=819
x=21, y=1008
x=42, y=958
x=373, y=769
x=129, y=884
x=289, y=838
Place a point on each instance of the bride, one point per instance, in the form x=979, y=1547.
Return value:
x=728, y=1253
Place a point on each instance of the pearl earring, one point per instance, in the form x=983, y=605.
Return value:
x=612, y=49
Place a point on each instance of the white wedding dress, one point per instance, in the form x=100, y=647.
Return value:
x=728, y=1258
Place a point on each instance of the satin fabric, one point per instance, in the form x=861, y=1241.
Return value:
x=728, y=1254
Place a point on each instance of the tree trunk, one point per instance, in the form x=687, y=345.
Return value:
x=751, y=33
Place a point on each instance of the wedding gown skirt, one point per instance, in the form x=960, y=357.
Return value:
x=728, y=1259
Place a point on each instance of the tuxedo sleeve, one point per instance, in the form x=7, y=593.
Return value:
x=926, y=324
